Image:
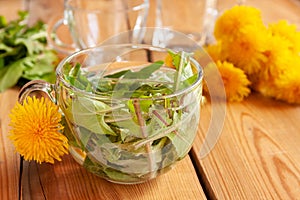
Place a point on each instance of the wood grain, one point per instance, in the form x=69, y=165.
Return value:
x=9, y=160
x=68, y=180
x=257, y=155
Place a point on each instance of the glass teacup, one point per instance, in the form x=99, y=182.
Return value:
x=91, y=22
x=130, y=111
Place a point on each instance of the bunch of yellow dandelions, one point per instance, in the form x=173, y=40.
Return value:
x=36, y=130
x=251, y=55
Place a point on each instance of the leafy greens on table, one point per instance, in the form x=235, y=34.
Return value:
x=24, y=54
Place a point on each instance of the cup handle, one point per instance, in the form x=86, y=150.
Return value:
x=37, y=88
x=54, y=40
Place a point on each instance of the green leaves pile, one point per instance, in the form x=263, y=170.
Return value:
x=24, y=54
x=134, y=132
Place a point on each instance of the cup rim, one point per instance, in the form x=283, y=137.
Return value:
x=141, y=5
x=60, y=75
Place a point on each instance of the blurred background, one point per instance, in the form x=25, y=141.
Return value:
x=291, y=11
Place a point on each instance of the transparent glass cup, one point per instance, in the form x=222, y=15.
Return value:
x=90, y=22
x=195, y=18
x=126, y=129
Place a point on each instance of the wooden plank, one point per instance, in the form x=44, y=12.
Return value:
x=257, y=155
x=68, y=180
x=9, y=160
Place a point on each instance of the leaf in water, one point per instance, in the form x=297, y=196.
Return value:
x=121, y=176
x=189, y=81
x=145, y=72
x=180, y=145
x=77, y=77
x=121, y=159
x=128, y=128
x=185, y=74
x=117, y=75
x=84, y=136
x=184, y=135
x=141, y=74
x=93, y=167
x=86, y=113
x=69, y=134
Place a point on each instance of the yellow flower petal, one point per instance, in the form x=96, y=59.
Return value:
x=288, y=85
x=247, y=50
x=215, y=51
x=279, y=57
x=36, y=130
x=284, y=84
x=235, y=81
x=269, y=56
x=231, y=21
x=287, y=32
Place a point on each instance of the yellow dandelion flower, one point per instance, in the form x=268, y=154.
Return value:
x=288, y=84
x=267, y=56
x=36, y=130
x=286, y=89
x=283, y=86
x=234, y=19
x=280, y=81
x=261, y=85
x=235, y=81
x=279, y=57
x=215, y=51
x=287, y=32
x=246, y=52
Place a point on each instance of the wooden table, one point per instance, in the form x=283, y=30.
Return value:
x=257, y=155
